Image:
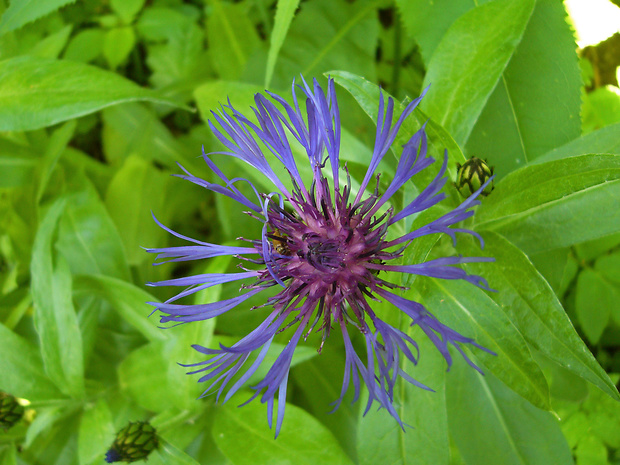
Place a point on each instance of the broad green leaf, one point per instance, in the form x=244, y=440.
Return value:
x=117, y=45
x=21, y=12
x=85, y=46
x=529, y=113
x=142, y=375
x=329, y=34
x=158, y=23
x=471, y=312
x=427, y=22
x=127, y=9
x=591, y=250
x=591, y=451
x=558, y=267
x=601, y=108
x=135, y=129
x=609, y=267
x=232, y=38
x=594, y=301
x=37, y=92
x=467, y=65
x=320, y=380
x=425, y=439
x=16, y=168
x=603, y=414
x=55, y=318
x=22, y=369
x=88, y=238
x=52, y=45
x=534, y=309
x=96, y=433
x=181, y=63
x=284, y=15
x=302, y=440
x=490, y=424
x=606, y=140
x=555, y=204
x=136, y=190
x=128, y=300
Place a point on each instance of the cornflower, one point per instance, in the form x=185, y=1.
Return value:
x=323, y=246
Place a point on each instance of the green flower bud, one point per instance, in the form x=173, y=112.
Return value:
x=472, y=175
x=134, y=442
x=10, y=410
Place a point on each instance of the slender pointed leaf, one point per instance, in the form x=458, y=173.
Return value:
x=55, y=318
x=471, y=312
x=532, y=306
x=555, y=204
x=38, y=92
x=490, y=424
x=466, y=66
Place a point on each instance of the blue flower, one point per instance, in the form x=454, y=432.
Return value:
x=323, y=246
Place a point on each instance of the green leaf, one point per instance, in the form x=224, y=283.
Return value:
x=594, y=301
x=37, y=92
x=136, y=190
x=21, y=12
x=96, y=433
x=85, y=46
x=466, y=66
x=88, y=238
x=284, y=15
x=17, y=168
x=320, y=381
x=529, y=113
x=609, y=267
x=591, y=250
x=142, y=375
x=134, y=129
x=127, y=9
x=555, y=204
x=171, y=455
x=302, y=440
x=591, y=451
x=232, y=38
x=330, y=34
x=55, y=318
x=471, y=312
x=128, y=300
x=380, y=437
x=22, y=370
x=601, y=108
x=606, y=140
x=52, y=45
x=531, y=305
x=55, y=147
x=178, y=348
x=427, y=22
x=490, y=424
x=118, y=44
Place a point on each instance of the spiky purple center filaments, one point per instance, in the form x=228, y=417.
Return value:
x=322, y=252
x=325, y=249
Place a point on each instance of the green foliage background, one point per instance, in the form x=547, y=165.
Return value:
x=100, y=99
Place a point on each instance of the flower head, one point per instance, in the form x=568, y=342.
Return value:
x=323, y=246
